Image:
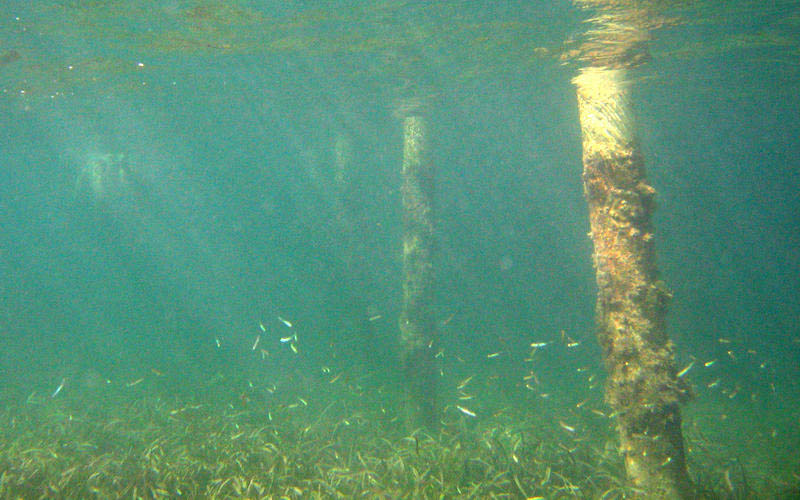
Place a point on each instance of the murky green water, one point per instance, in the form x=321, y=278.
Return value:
x=201, y=259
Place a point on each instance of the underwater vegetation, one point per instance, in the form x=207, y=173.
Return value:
x=336, y=441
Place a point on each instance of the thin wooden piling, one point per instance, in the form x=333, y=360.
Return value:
x=417, y=322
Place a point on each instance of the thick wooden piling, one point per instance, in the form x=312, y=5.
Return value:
x=642, y=387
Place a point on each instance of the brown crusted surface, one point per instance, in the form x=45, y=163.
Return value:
x=642, y=385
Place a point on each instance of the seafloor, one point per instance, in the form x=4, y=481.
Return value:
x=338, y=436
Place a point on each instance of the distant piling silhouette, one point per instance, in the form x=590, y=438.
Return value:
x=417, y=323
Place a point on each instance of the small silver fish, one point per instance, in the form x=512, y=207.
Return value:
x=685, y=370
x=566, y=427
x=58, y=389
x=466, y=411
